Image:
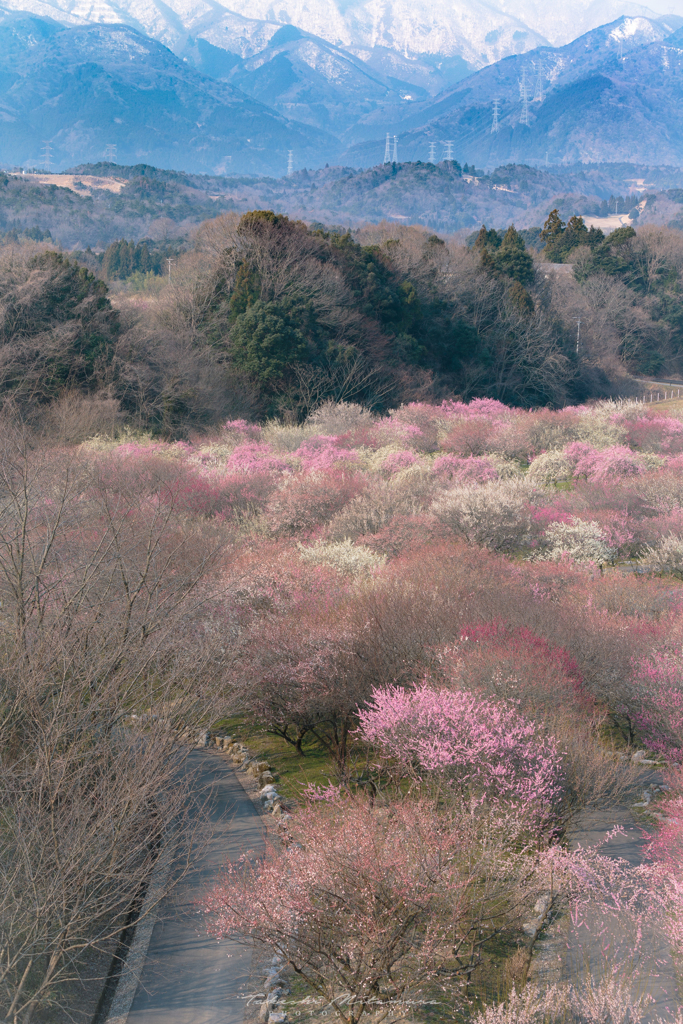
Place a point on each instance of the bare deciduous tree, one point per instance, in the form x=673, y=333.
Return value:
x=106, y=595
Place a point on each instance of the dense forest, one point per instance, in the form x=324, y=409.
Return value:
x=267, y=316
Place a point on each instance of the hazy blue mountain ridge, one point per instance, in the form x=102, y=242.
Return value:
x=84, y=89
x=613, y=94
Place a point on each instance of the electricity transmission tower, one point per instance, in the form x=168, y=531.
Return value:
x=495, y=127
x=395, y=159
x=524, y=92
x=46, y=146
x=387, y=151
x=432, y=152
x=538, y=92
x=110, y=153
x=449, y=150
x=290, y=163
x=169, y=261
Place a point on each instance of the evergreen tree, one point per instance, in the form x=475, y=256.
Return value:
x=512, y=258
x=247, y=289
x=520, y=298
x=487, y=239
x=264, y=341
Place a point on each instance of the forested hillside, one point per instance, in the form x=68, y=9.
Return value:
x=265, y=316
x=96, y=204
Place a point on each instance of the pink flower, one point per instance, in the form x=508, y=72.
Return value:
x=596, y=466
x=485, y=744
x=242, y=429
x=323, y=453
x=251, y=457
x=396, y=461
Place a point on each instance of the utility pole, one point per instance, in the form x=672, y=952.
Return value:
x=432, y=152
x=169, y=261
x=495, y=127
x=395, y=160
x=290, y=163
x=47, y=155
x=387, y=151
x=449, y=150
x=524, y=90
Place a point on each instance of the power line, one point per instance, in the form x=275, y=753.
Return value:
x=496, y=126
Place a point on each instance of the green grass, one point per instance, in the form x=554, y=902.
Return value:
x=292, y=772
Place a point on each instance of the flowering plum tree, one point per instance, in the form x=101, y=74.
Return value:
x=486, y=746
x=367, y=903
x=310, y=500
x=471, y=469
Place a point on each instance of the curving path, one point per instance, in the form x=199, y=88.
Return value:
x=565, y=953
x=187, y=977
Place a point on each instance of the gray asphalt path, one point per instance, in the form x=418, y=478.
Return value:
x=188, y=977
x=599, y=947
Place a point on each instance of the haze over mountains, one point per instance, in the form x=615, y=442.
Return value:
x=197, y=87
x=479, y=31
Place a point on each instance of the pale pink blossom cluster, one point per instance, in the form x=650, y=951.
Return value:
x=321, y=453
x=252, y=457
x=658, y=690
x=469, y=470
x=396, y=461
x=485, y=745
x=597, y=466
x=241, y=430
x=657, y=433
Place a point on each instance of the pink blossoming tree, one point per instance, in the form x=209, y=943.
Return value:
x=486, y=747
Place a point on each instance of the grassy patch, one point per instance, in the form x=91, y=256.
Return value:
x=292, y=771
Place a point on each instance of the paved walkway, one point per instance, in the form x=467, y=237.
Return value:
x=188, y=977
x=567, y=954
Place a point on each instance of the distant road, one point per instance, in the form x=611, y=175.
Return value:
x=188, y=977
x=659, y=383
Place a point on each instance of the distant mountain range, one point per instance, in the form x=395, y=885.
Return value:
x=478, y=31
x=614, y=94
x=75, y=93
x=106, y=88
